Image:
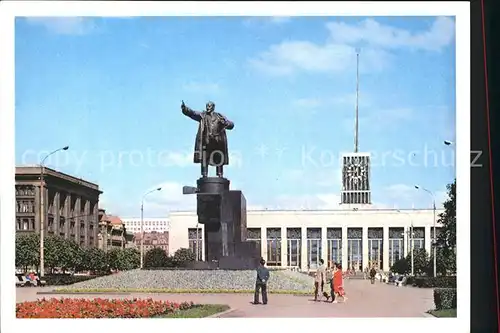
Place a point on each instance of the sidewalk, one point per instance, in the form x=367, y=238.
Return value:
x=365, y=300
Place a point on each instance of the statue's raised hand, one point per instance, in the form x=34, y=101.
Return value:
x=183, y=106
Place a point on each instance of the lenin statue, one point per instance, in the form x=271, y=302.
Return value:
x=210, y=147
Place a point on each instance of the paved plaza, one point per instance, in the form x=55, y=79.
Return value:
x=365, y=300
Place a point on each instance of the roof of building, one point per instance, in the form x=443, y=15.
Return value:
x=36, y=170
x=346, y=210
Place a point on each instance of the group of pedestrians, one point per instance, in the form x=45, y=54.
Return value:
x=331, y=275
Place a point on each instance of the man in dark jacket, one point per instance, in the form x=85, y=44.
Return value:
x=261, y=282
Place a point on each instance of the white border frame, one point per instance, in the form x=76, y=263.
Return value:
x=8, y=10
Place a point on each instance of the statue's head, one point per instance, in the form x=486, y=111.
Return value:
x=210, y=107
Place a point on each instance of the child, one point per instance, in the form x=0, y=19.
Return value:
x=338, y=283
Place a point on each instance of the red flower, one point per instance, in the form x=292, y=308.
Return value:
x=97, y=308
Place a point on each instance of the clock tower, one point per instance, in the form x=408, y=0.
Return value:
x=356, y=179
x=356, y=166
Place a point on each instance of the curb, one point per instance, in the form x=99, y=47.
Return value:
x=218, y=315
x=169, y=291
x=80, y=293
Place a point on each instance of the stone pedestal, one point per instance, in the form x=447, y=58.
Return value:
x=223, y=213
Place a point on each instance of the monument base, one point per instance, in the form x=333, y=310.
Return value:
x=223, y=214
x=212, y=185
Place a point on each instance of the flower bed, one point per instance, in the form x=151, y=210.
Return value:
x=97, y=308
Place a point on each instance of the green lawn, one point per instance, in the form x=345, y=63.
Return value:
x=448, y=313
x=198, y=311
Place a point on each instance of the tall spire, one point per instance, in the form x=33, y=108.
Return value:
x=356, y=120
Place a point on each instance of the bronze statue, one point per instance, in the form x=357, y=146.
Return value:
x=210, y=147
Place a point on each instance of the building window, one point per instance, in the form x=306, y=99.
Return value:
x=375, y=247
x=334, y=237
x=396, y=245
x=273, y=246
x=418, y=238
x=355, y=249
x=254, y=235
x=50, y=225
x=195, y=236
x=313, y=247
x=62, y=223
x=24, y=206
x=293, y=239
x=26, y=224
x=18, y=224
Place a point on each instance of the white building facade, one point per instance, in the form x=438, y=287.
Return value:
x=356, y=238
x=133, y=225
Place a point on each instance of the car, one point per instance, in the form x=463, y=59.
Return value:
x=23, y=281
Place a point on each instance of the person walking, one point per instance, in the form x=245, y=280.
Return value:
x=373, y=272
x=261, y=283
x=338, y=283
x=320, y=279
x=329, y=275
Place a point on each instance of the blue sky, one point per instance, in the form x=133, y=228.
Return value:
x=111, y=89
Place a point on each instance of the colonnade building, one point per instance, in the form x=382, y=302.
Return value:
x=356, y=238
x=71, y=204
x=357, y=235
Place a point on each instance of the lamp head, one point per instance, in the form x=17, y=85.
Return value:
x=158, y=189
x=447, y=142
x=417, y=187
x=65, y=148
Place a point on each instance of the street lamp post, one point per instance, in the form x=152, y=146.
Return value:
x=411, y=249
x=42, y=209
x=434, y=226
x=410, y=233
x=142, y=224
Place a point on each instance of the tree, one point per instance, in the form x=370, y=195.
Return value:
x=131, y=259
x=56, y=252
x=74, y=259
x=113, y=259
x=447, y=239
x=27, y=250
x=155, y=257
x=95, y=260
x=445, y=262
x=402, y=266
x=420, y=261
x=124, y=259
x=183, y=256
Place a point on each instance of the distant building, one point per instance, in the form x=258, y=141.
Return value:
x=71, y=204
x=113, y=232
x=159, y=224
x=153, y=240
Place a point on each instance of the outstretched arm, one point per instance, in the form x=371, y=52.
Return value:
x=228, y=124
x=195, y=115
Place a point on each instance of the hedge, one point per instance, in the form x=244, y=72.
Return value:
x=66, y=279
x=432, y=282
x=445, y=298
